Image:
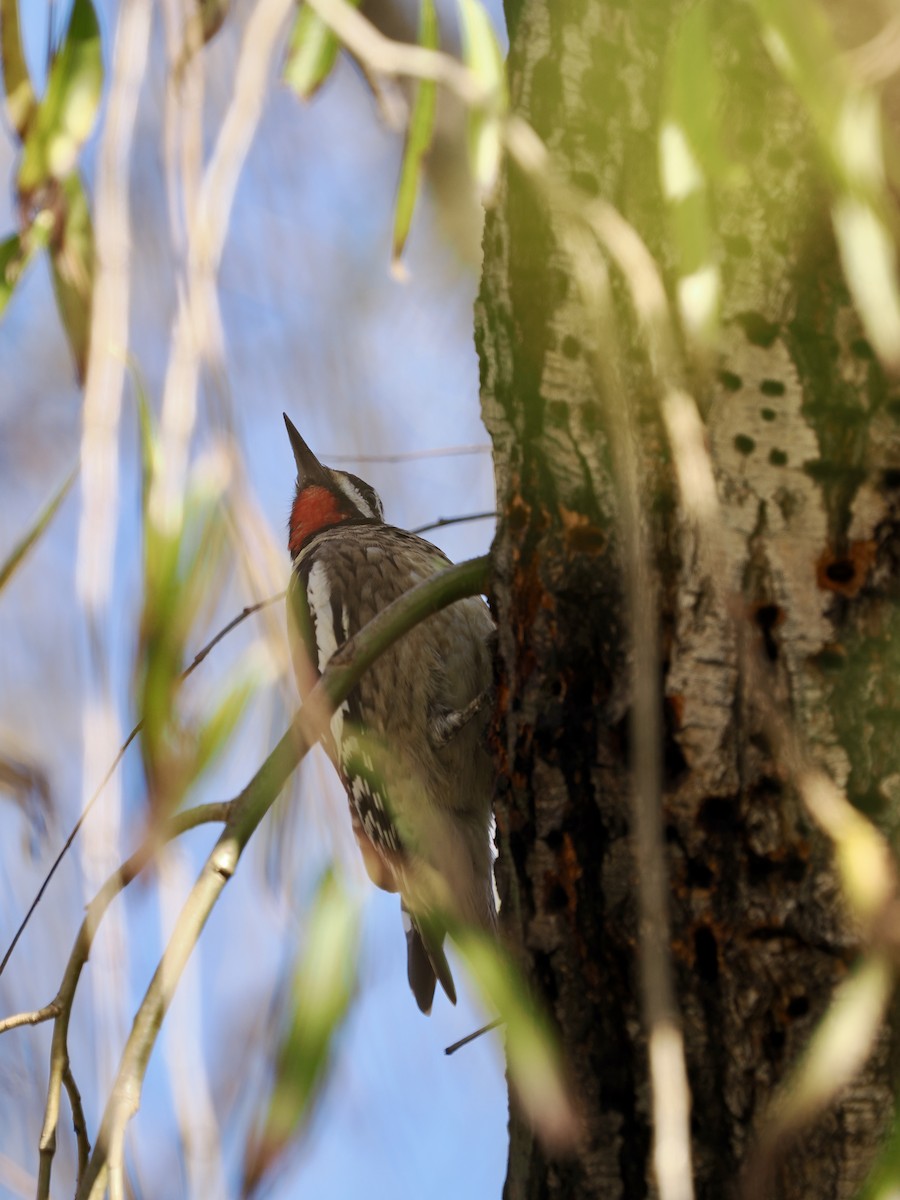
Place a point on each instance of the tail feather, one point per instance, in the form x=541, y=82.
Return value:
x=426, y=962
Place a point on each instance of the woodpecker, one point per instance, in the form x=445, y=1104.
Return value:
x=408, y=742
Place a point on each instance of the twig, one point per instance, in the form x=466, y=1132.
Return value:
x=78, y=1122
x=68, y=842
x=470, y=1037
x=342, y=673
x=245, y=612
x=407, y=456
x=443, y=521
x=47, y=1013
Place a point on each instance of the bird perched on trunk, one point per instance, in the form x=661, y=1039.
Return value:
x=408, y=742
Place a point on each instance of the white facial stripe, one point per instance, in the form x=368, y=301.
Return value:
x=353, y=494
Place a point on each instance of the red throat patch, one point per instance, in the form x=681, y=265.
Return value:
x=314, y=509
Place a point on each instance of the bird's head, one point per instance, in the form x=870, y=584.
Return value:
x=325, y=497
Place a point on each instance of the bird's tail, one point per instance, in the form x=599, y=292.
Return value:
x=426, y=962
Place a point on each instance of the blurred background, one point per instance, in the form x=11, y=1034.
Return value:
x=378, y=373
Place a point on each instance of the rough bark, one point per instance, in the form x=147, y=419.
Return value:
x=804, y=437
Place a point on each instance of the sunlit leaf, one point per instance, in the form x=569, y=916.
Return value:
x=72, y=266
x=421, y=127
x=839, y=1047
x=312, y=51
x=21, y=103
x=214, y=734
x=323, y=986
x=847, y=122
x=532, y=1052
x=16, y=556
x=689, y=150
x=481, y=53
x=68, y=110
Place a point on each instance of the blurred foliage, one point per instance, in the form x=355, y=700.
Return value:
x=312, y=52
x=533, y=1055
x=323, y=986
x=690, y=151
x=185, y=569
x=53, y=208
x=418, y=136
x=29, y=538
x=482, y=55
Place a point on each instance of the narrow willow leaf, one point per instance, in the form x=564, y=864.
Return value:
x=689, y=151
x=418, y=139
x=481, y=53
x=21, y=102
x=72, y=265
x=532, y=1053
x=217, y=729
x=68, y=110
x=148, y=439
x=312, y=51
x=323, y=986
x=839, y=1047
x=847, y=122
x=12, y=263
x=16, y=556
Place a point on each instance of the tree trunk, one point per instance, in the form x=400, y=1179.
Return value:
x=802, y=431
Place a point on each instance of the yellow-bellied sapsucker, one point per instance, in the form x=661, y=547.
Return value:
x=408, y=743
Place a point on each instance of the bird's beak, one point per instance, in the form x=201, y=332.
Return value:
x=309, y=469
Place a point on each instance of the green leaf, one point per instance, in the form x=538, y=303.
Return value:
x=72, y=268
x=218, y=728
x=846, y=119
x=689, y=152
x=13, y=260
x=68, y=110
x=838, y=1049
x=312, y=51
x=481, y=53
x=21, y=102
x=418, y=138
x=532, y=1053
x=16, y=556
x=323, y=986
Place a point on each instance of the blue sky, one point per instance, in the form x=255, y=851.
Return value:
x=314, y=325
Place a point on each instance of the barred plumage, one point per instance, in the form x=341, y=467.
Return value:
x=419, y=788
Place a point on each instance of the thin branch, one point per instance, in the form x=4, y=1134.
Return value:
x=79, y=1124
x=47, y=1013
x=442, y=521
x=245, y=612
x=343, y=672
x=408, y=455
x=65, y=847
